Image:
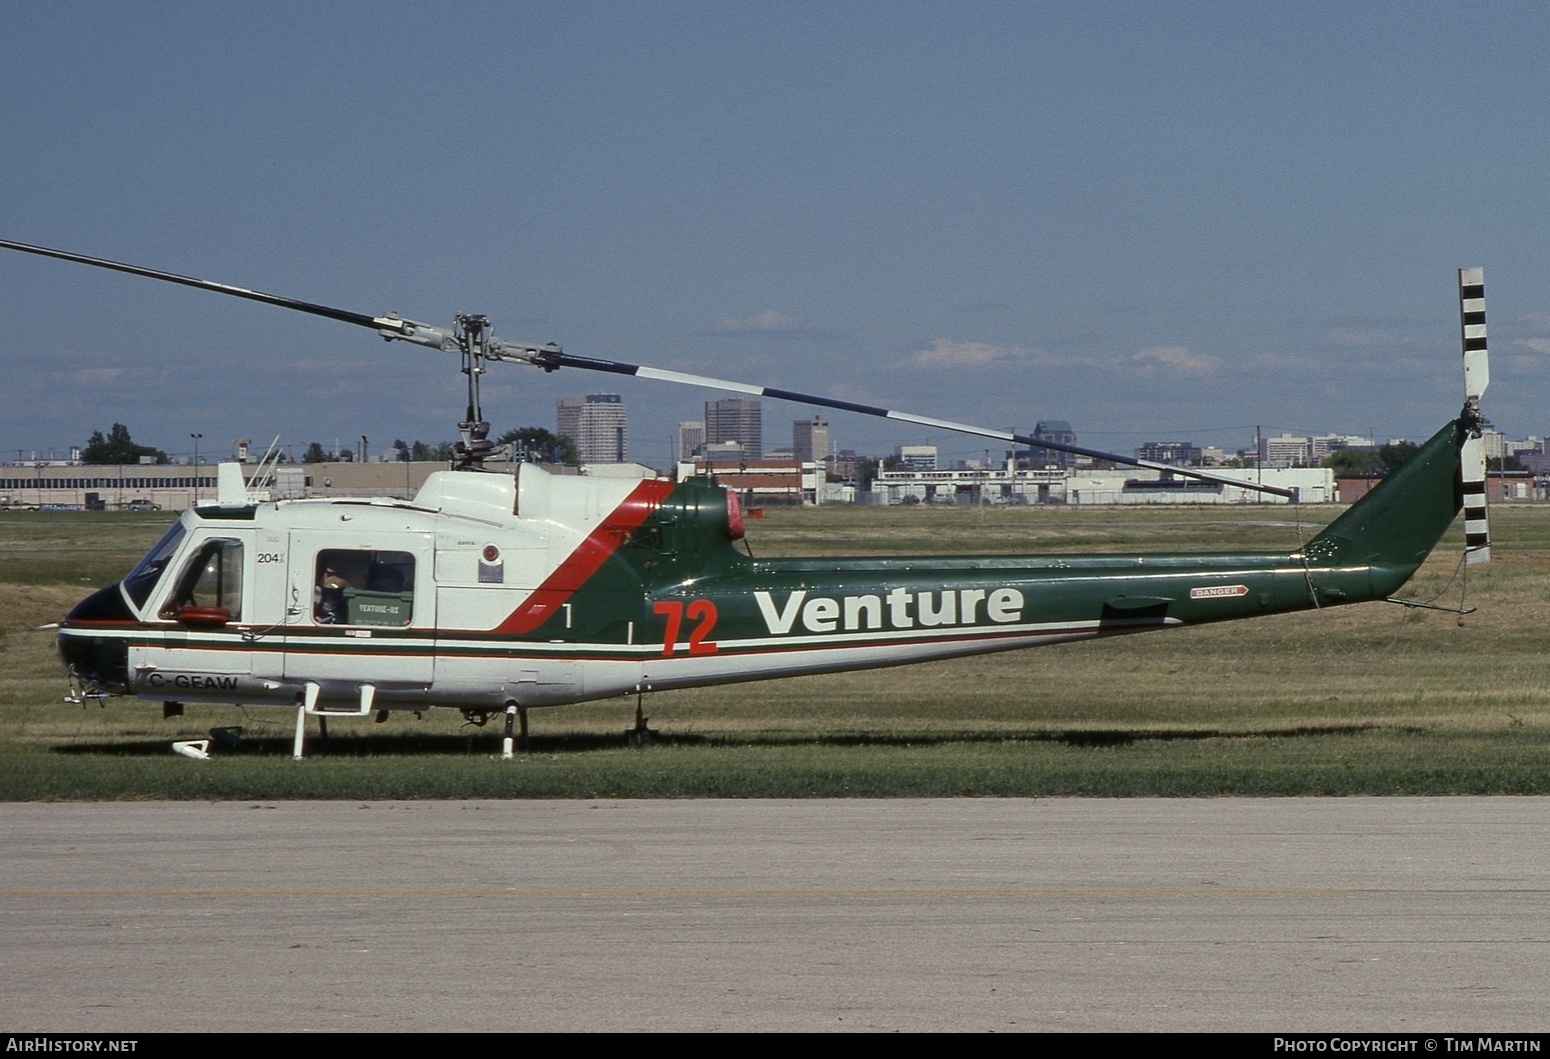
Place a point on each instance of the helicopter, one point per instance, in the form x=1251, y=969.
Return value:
x=497, y=589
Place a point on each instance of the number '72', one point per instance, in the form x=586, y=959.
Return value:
x=700, y=610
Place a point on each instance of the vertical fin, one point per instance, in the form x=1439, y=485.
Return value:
x=1477, y=376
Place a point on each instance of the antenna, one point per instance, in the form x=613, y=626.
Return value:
x=263, y=476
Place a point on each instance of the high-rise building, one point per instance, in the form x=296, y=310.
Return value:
x=810, y=439
x=691, y=439
x=1285, y=450
x=1174, y=453
x=736, y=420
x=597, y=425
x=1057, y=430
x=845, y=465
x=568, y=418
x=916, y=457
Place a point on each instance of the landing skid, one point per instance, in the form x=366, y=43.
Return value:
x=513, y=713
x=310, y=705
x=516, y=735
x=641, y=734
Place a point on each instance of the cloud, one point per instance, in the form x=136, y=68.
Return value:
x=96, y=376
x=1358, y=336
x=1538, y=345
x=946, y=353
x=1525, y=363
x=980, y=305
x=334, y=366
x=1280, y=362
x=1153, y=362
x=768, y=322
x=1174, y=360
x=1123, y=307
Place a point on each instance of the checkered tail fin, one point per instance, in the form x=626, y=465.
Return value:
x=1477, y=376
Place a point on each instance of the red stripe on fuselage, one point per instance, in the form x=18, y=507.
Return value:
x=586, y=559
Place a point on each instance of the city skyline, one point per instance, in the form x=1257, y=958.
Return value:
x=971, y=451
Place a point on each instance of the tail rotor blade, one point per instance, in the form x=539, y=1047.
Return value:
x=1477, y=525
x=1477, y=376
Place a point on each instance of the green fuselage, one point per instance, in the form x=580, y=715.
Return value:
x=718, y=614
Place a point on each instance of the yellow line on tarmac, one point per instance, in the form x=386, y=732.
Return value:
x=816, y=891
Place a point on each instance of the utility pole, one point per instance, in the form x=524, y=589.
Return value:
x=196, y=438
x=1259, y=463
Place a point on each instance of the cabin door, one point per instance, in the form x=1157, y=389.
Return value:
x=367, y=606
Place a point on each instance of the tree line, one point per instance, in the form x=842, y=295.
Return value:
x=1371, y=463
x=529, y=444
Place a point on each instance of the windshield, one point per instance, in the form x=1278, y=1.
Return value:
x=142, y=579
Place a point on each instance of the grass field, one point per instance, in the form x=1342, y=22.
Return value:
x=1365, y=699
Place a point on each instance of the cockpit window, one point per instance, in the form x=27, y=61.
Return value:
x=363, y=588
x=142, y=579
x=213, y=578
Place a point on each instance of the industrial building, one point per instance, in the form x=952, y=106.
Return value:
x=106, y=488
x=1054, y=485
x=763, y=481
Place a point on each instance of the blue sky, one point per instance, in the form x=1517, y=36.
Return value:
x=1153, y=220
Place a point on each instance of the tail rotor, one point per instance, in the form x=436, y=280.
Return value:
x=1477, y=376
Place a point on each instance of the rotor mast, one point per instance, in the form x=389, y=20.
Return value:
x=473, y=337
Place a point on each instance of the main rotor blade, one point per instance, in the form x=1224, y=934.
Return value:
x=342, y=315
x=550, y=357
x=566, y=360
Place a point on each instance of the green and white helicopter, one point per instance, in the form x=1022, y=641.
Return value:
x=501, y=588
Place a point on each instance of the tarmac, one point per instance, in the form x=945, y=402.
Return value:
x=1406, y=915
